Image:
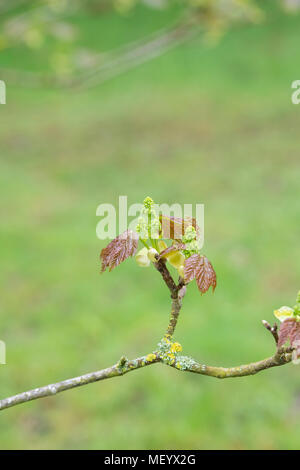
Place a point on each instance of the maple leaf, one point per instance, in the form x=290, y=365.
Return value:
x=200, y=268
x=119, y=250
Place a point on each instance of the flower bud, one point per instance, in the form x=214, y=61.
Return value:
x=148, y=203
x=151, y=254
x=142, y=258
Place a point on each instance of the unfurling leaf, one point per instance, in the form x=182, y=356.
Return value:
x=175, y=227
x=199, y=267
x=119, y=250
x=172, y=249
x=176, y=259
x=283, y=313
x=290, y=330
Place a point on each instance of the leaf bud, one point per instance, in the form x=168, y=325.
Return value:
x=151, y=255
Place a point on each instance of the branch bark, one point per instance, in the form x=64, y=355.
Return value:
x=124, y=366
x=177, y=294
x=281, y=357
x=136, y=56
x=272, y=329
x=121, y=368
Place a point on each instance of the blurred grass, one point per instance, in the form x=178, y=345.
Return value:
x=200, y=124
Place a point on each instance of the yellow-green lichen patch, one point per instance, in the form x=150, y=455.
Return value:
x=150, y=357
x=168, y=350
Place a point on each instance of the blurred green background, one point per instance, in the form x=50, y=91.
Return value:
x=201, y=124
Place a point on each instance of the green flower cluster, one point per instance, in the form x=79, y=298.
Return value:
x=148, y=224
x=190, y=241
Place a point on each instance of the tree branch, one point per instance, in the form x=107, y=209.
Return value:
x=177, y=293
x=124, y=366
x=161, y=267
x=272, y=330
x=110, y=64
x=281, y=357
x=121, y=368
x=175, y=310
x=136, y=56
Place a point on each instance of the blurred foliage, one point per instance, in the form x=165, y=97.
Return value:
x=50, y=26
x=199, y=125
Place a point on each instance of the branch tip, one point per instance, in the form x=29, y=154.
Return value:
x=272, y=329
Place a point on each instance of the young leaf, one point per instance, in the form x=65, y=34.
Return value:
x=190, y=267
x=119, y=250
x=290, y=330
x=199, y=268
x=285, y=330
x=205, y=275
x=295, y=341
x=175, y=227
x=295, y=335
x=172, y=249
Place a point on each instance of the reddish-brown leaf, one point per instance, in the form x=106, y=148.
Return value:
x=295, y=338
x=200, y=268
x=119, y=250
x=174, y=227
x=205, y=275
x=190, y=267
x=284, y=331
x=289, y=330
